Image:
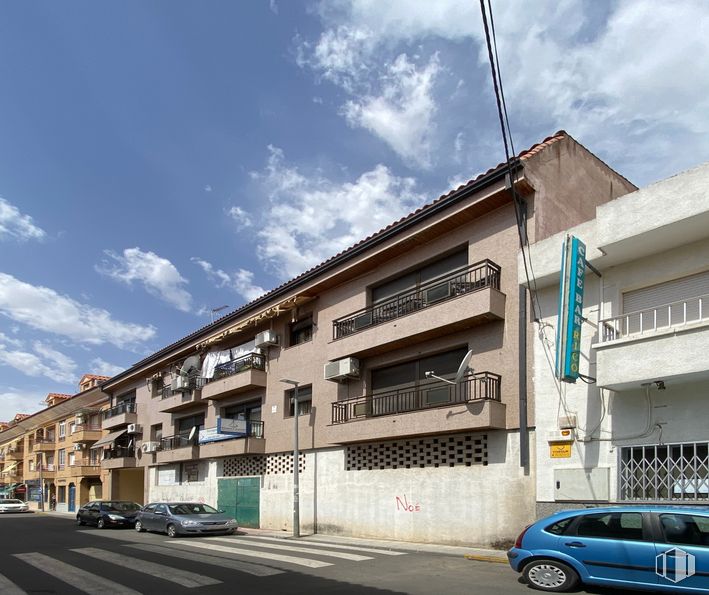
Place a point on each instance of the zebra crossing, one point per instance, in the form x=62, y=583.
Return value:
x=255, y=556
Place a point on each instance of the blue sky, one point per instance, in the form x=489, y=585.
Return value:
x=160, y=159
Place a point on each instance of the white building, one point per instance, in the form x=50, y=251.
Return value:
x=640, y=431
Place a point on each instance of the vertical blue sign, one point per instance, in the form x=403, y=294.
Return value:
x=568, y=333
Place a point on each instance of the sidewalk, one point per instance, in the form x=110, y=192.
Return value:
x=471, y=553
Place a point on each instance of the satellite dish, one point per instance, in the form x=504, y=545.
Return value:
x=192, y=432
x=192, y=361
x=462, y=369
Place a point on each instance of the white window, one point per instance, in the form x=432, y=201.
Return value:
x=72, y=459
x=62, y=429
x=62, y=457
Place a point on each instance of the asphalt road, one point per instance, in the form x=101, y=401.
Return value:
x=49, y=555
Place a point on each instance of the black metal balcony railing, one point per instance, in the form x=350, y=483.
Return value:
x=249, y=361
x=189, y=383
x=119, y=452
x=120, y=409
x=475, y=387
x=176, y=441
x=478, y=276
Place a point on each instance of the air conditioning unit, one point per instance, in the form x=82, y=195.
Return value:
x=180, y=383
x=134, y=429
x=561, y=436
x=77, y=447
x=342, y=369
x=266, y=339
x=150, y=447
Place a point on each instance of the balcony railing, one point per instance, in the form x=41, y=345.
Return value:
x=674, y=315
x=475, y=387
x=176, y=441
x=473, y=278
x=120, y=410
x=193, y=382
x=119, y=452
x=249, y=361
x=85, y=463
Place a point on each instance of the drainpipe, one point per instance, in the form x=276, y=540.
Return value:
x=523, y=429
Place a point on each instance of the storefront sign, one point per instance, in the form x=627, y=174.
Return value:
x=560, y=450
x=235, y=427
x=568, y=333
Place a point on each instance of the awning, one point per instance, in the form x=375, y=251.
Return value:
x=272, y=312
x=108, y=439
x=10, y=467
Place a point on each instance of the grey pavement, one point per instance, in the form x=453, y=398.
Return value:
x=469, y=552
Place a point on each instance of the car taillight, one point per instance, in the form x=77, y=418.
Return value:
x=518, y=543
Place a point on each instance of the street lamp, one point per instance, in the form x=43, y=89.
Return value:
x=296, y=456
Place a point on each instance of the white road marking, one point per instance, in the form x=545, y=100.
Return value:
x=77, y=578
x=337, y=546
x=301, y=550
x=168, y=573
x=222, y=562
x=252, y=553
x=7, y=587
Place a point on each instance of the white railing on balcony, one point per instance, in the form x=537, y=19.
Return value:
x=645, y=322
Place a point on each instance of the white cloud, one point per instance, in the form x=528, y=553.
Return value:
x=242, y=218
x=13, y=401
x=311, y=218
x=104, y=368
x=14, y=224
x=159, y=276
x=207, y=188
x=44, y=309
x=45, y=361
x=402, y=112
x=583, y=66
x=241, y=281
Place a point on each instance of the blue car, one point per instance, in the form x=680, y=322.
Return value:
x=652, y=548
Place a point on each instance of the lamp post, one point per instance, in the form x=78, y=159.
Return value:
x=296, y=456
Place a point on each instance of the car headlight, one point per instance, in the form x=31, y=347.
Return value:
x=115, y=517
x=232, y=523
x=188, y=523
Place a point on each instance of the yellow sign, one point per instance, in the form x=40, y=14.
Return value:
x=560, y=450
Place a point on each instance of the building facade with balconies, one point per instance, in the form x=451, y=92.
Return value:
x=637, y=432
x=386, y=449
x=50, y=453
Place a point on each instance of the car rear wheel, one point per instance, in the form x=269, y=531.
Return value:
x=139, y=526
x=101, y=524
x=550, y=575
x=171, y=531
x=79, y=521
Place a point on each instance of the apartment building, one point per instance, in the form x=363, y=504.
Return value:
x=636, y=430
x=50, y=452
x=386, y=449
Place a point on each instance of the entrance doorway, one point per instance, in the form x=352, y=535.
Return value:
x=72, y=498
x=240, y=498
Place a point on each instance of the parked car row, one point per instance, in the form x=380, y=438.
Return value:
x=172, y=518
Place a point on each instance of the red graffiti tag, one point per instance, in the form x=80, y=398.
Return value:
x=405, y=506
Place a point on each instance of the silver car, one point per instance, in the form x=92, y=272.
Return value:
x=184, y=518
x=11, y=505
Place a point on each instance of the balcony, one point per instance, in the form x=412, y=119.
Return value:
x=184, y=397
x=118, y=457
x=15, y=455
x=252, y=443
x=84, y=468
x=44, y=446
x=120, y=415
x=176, y=448
x=86, y=434
x=451, y=302
x=236, y=376
x=638, y=347
x=473, y=404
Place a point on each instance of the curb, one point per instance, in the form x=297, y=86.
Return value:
x=477, y=558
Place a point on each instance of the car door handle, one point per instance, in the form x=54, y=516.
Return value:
x=575, y=544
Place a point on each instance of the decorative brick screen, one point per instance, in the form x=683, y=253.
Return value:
x=440, y=451
x=278, y=464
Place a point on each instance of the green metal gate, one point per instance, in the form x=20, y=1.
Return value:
x=240, y=498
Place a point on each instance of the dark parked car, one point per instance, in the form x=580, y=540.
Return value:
x=652, y=548
x=108, y=513
x=184, y=518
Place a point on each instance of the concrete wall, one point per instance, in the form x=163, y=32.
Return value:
x=203, y=490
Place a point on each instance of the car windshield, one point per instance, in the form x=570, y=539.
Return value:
x=120, y=506
x=10, y=501
x=195, y=508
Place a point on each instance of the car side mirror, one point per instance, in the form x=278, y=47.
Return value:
x=220, y=511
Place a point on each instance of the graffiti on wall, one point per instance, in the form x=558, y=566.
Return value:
x=405, y=506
